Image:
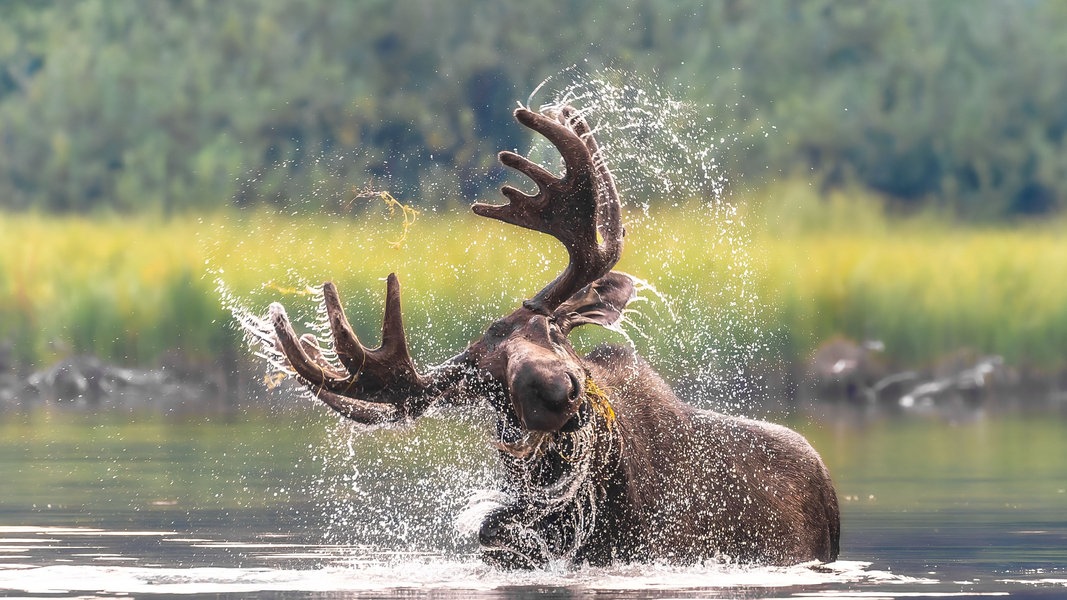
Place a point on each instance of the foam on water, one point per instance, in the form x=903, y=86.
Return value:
x=356, y=575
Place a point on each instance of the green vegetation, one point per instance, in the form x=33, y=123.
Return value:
x=116, y=288
x=924, y=289
x=818, y=269
x=175, y=106
x=145, y=114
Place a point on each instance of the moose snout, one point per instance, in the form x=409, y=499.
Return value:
x=544, y=394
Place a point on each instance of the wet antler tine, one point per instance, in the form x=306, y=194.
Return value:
x=311, y=348
x=541, y=176
x=295, y=352
x=394, y=342
x=364, y=412
x=580, y=209
x=609, y=209
x=379, y=385
x=349, y=350
x=520, y=205
x=574, y=119
x=573, y=150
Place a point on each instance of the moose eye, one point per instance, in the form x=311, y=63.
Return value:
x=558, y=324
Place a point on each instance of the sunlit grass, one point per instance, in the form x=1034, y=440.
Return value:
x=995, y=292
x=922, y=286
x=116, y=287
x=134, y=289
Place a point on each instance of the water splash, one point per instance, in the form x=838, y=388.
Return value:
x=667, y=152
x=377, y=486
x=635, y=320
x=414, y=574
x=79, y=562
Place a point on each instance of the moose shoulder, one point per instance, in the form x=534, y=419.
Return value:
x=701, y=484
x=602, y=461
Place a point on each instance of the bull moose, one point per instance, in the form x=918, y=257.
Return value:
x=602, y=462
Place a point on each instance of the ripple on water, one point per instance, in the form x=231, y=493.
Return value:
x=368, y=575
x=73, y=560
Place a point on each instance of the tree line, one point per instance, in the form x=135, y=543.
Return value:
x=177, y=105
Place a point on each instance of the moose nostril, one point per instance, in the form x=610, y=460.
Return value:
x=576, y=387
x=537, y=381
x=543, y=393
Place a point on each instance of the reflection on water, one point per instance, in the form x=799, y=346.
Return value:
x=96, y=506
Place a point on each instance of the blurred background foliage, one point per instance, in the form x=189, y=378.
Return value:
x=901, y=166
x=173, y=106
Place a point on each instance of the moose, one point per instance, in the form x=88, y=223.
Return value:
x=602, y=462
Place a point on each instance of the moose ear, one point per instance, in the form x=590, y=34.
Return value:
x=599, y=303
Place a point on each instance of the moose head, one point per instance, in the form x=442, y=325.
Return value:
x=602, y=461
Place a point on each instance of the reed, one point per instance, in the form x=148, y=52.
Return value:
x=924, y=287
x=121, y=288
x=133, y=290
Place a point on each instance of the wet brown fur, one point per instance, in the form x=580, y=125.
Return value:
x=692, y=484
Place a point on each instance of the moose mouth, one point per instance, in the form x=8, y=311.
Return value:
x=522, y=443
x=529, y=444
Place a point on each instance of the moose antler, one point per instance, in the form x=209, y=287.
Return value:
x=376, y=385
x=580, y=209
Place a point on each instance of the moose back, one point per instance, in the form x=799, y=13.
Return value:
x=602, y=461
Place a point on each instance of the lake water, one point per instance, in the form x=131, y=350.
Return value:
x=296, y=505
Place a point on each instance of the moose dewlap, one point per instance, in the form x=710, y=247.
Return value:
x=602, y=461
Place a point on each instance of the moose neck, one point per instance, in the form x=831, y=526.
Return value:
x=563, y=483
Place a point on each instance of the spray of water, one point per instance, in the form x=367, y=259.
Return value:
x=401, y=488
x=664, y=151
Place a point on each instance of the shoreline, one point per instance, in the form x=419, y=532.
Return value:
x=88, y=384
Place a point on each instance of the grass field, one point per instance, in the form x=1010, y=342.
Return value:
x=774, y=277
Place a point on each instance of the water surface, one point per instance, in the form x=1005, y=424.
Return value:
x=296, y=505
